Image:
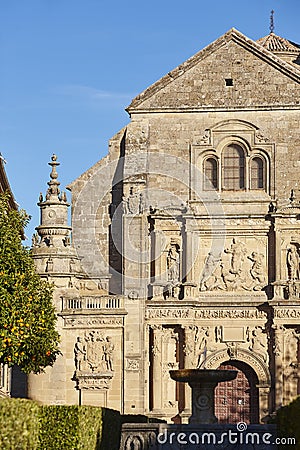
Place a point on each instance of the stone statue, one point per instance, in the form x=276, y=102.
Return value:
x=49, y=265
x=258, y=343
x=232, y=350
x=142, y=204
x=211, y=263
x=35, y=240
x=124, y=205
x=108, y=349
x=237, y=250
x=173, y=263
x=201, y=349
x=80, y=354
x=293, y=261
x=257, y=271
x=133, y=202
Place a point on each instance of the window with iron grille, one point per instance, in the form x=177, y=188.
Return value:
x=257, y=173
x=210, y=174
x=233, y=168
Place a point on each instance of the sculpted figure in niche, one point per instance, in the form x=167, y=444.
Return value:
x=49, y=265
x=80, y=354
x=124, y=205
x=258, y=343
x=142, y=203
x=108, y=349
x=201, y=346
x=293, y=261
x=173, y=263
x=135, y=203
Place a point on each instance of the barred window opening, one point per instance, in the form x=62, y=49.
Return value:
x=257, y=173
x=233, y=168
x=210, y=174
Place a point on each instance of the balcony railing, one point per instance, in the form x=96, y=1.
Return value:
x=104, y=303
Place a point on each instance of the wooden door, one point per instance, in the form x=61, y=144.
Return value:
x=237, y=400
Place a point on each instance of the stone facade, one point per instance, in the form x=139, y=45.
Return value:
x=185, y=240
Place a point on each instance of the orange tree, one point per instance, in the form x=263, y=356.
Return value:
x=28, y=336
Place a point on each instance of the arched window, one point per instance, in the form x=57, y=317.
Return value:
x=233, y=168
x=257, y=173
x=210, y=174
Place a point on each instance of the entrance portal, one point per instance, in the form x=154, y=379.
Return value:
x=237, y=400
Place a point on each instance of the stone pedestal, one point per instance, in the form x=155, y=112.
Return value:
x=203, y=383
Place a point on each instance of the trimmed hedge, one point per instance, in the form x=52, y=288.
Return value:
x=287, y=421
x=25, y=425
x=19, y=419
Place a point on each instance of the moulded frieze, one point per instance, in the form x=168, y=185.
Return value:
x=188, y=313
x=92, y=322
x=287, y=313
x=93, y=380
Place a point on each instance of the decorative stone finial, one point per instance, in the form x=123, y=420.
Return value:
x=53, y=183
x=272, y=27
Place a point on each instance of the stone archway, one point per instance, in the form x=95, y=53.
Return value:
x=237, y=400
x=257, y=365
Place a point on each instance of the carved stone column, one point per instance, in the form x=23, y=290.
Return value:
x=278, y=348
x=189, y=363
x=190, y=255
x=290, y=371
x=169, y=362
x=157, y=367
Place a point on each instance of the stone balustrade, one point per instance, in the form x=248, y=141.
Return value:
x=92, y=303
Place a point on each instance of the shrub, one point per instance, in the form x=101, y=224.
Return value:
x=25, y=425
x=79, y=428
x=19, y=419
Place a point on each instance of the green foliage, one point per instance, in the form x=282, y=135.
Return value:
x=19, y=420
x=27, y=319
x=25, y=425
x=70, y=427
x=287, y=420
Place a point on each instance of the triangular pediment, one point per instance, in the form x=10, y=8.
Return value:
x=232, y=72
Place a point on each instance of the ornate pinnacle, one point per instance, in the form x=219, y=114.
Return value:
x=53, y=183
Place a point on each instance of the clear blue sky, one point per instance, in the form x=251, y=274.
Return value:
x=69, y=68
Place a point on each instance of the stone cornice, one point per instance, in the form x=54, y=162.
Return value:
x=201, y=109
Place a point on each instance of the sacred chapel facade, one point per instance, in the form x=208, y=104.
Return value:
x=184, y=245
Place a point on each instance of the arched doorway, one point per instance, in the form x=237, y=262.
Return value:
x=237, y=400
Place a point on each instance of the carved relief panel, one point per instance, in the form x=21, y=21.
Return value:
x=94, y=360
x=241, y=266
